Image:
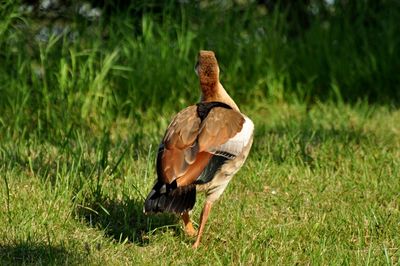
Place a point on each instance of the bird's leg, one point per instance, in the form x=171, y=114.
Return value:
x=203, y=220
x=189, y=229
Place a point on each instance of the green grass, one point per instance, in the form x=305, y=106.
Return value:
x=81, y=118
x=321, y=186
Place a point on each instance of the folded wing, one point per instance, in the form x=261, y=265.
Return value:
x=190, y=143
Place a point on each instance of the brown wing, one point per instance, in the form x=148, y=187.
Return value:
x=180, y=148
x=220, y=125
x=183, y=130
x=188, y=140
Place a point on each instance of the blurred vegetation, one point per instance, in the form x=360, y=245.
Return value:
x=69, y=63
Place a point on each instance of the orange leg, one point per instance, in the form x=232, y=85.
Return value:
x=189, y=229
x=203, y=220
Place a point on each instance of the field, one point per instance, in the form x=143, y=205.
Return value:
x=82, y=112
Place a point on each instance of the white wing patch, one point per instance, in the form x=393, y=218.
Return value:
x=235, y=145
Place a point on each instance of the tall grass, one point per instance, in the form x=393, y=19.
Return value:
x=124, y=64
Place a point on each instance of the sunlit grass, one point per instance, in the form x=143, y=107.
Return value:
x=321, y=186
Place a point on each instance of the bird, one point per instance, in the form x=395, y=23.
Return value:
x=202, y=149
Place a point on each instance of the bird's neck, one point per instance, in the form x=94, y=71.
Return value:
x=215, y=92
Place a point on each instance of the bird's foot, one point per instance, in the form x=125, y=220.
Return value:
x=190, y=231
x=196, y=245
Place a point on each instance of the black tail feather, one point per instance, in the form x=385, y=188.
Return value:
x=170, y=198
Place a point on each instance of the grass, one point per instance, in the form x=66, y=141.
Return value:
x=321, y=186
x=82, y=111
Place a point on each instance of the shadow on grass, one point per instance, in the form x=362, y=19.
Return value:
x=124, y=220
x=121, y=219
x=38, y=254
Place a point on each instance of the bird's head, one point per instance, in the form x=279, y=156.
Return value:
x=207, y=68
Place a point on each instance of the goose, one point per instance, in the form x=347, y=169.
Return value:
x=203, y=148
